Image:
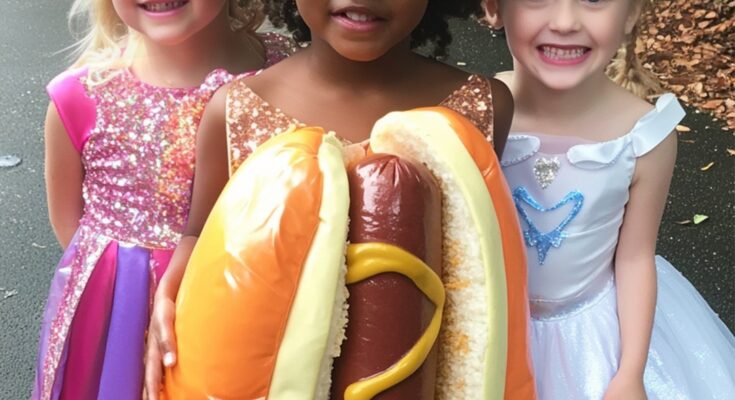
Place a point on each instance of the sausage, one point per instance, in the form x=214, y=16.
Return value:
x=396, y=202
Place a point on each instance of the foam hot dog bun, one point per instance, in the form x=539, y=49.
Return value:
x=260, y=312
x=520, y=382
x=473, y=342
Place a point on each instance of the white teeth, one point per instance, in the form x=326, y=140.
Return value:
x=562, y=54
x=161, y=7
x=357, y=17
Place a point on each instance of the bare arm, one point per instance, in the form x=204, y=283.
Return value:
x=635, y=269
x=503, y=108
x=211, y=175
x=64, y=175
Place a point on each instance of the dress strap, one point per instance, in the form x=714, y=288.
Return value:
x=655, y=126
x=474, y=100
x=215, y=80
x=77, y=110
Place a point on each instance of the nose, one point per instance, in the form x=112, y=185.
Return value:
x=564, y=17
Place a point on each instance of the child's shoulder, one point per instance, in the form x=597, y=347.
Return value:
x=72, y=76
x=465, y=86
x=445, y=78
x=461, y=83
x=74, y=107
x=646, y=127
x=655, y=123
x=628, y=105
x=485, y=101
x=639, y=119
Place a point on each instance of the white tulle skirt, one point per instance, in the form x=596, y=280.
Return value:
x=692, y=353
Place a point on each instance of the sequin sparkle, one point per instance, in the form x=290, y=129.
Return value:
x=251, y=120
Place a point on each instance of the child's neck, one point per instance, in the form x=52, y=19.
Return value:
x=596, y=109
x=545, y=104
x=532, y=97
x=186, y=64
x=329, y=66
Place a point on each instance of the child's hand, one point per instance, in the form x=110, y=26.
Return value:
x=624, y=387
x=161, y=345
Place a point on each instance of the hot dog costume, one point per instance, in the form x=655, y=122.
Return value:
x=291, y=323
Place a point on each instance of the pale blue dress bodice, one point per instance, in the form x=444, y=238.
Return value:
x=571, y=205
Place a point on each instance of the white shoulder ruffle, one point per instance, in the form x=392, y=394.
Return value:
x=647, y=133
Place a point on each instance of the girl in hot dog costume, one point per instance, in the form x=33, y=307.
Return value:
x=358, y=67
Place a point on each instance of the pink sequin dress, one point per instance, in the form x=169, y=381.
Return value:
x=137, y=144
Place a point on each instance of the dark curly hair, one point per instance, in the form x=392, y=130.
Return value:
x=432, y=30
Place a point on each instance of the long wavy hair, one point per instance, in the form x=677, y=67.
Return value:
x=104, y=41
x=626, y=69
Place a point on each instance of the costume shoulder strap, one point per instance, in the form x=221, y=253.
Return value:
x=77, y=110
x=474, y=100
x=655, y=126
x=238, y=109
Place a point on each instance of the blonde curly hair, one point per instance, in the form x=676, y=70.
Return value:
x=626, y=69
x=106, y=42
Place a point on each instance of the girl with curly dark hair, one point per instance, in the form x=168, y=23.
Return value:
x=357, y=65
x=433, y=28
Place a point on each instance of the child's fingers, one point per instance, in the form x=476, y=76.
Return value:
x=153, y=369
x=354, y=152
x=166, y=337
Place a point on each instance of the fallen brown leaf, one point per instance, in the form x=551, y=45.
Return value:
x=712, y=104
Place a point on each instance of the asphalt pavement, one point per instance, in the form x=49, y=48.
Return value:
x=32, y=34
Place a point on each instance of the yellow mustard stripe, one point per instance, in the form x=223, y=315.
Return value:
x=365, y=260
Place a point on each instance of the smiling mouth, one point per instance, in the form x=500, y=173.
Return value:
x=563, y=53
x=164, y=6
x=359, y=17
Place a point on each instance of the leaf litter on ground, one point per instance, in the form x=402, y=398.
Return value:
x=688, y=45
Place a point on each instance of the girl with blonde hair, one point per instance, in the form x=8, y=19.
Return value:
x=120, y=138
x=589, y=163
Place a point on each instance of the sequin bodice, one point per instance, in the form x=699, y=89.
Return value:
x=571, y=200
x=139, y=158
x=251, y=120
